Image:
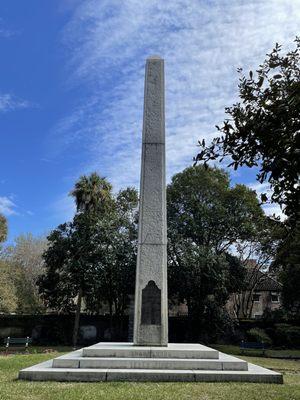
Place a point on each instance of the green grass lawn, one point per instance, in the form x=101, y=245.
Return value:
x=12, y=389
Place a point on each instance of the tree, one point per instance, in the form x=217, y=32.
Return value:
x=91, y=193
x=92, y=196
x=3, y=228
x=204, y=280
x=25, y=262
x=263, y=130
x=203, y=207
x=69, y=259
x=8, y=295
x=91, y=258
x=116, y=254
x=57, y=287
x=206, y=217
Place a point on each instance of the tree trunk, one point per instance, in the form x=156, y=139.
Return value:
x=77, y=317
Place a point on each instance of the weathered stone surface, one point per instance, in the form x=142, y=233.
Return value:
x=172, y=350
x=232, y=364
x=46, y=373
x=149, y=327
x=74, y=367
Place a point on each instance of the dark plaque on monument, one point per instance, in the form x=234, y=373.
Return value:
x=151, y=304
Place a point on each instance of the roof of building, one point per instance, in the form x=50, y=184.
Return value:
x=261, y=281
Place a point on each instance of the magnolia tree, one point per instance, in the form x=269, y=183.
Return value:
x=263, y=131
x=263, y=128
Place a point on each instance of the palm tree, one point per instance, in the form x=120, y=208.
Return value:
x=92, y=194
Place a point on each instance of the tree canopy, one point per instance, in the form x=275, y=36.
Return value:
x=22, y=265
x=263, y=129
x=91, y=193
x=204, y=208
x=206, y=217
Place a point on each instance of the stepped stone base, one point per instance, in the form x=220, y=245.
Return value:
x=126, y=362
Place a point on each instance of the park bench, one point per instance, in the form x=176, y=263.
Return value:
x=252, y=345
x=10, y=342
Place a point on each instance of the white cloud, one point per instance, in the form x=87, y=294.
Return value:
x=7, y=206
x=202, y=42
x=8, y=102
x=274, y=209
x=260, y=187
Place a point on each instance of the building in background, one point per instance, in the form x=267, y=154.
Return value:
x=263, y=292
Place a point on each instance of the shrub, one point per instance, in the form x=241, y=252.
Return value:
x=287, y=335
x=259, y=335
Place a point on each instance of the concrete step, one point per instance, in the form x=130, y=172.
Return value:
x=74, y=367
x=128, y=350
x=150, y=363
x=45, y=372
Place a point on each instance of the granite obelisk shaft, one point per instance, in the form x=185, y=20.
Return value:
x=151, y=301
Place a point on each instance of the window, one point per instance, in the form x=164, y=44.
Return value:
x=256, y=297
x=274, y=297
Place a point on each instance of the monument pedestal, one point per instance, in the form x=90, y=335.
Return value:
x=127, y=362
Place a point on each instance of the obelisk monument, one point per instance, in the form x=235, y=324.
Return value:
x=151, y=298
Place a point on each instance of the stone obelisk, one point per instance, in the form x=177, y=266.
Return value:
x=151, y=300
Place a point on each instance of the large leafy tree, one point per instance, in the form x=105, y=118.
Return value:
x=203, y=207
x=263, y=128
x=206, y=217
x=115, y=256
x=91, y=258
x=27, y=261
x=24, y=264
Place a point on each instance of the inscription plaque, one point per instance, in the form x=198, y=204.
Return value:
x=151, y=304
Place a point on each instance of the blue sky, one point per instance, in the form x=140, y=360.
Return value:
x=71, y=89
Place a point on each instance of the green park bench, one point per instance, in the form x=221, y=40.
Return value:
x=10, y=342
x=251, y=346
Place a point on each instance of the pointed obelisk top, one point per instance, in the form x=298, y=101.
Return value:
x=154, y=57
